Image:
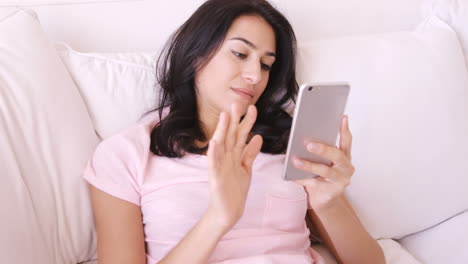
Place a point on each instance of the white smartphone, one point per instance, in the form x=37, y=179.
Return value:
x=317, y=117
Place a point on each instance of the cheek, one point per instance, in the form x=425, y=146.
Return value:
x=221, y=69
x=263, y=84
x=215, y=78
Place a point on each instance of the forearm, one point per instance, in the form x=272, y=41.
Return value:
x=197, y=245
x=343, y=233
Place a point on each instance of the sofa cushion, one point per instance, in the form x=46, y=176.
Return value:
x=118, y=88
x=46, y=139
x=407, y=111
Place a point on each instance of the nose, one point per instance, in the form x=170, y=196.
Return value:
x=252, y=72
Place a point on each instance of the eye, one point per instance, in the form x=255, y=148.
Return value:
x=266, y=67
x=238, y=54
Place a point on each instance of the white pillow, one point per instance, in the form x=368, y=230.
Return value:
x=454, y=13
x=46, y=139
x=407, y=108
x=118, y=88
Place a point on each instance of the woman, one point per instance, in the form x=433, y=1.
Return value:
x=200, y=180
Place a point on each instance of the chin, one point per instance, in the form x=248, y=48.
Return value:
x=244, y=105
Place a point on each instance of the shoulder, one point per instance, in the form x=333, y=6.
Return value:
x=130, y=146
x=135, y=138
x=117, y=162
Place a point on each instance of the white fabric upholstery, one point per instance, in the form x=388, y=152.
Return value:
x=46, y=138
x=116, y=87
x=395, y=253
x=453, y=12
x=445, y=243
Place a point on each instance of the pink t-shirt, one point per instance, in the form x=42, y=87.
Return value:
x=173, y=194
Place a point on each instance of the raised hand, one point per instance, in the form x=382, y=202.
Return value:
x=230, y=161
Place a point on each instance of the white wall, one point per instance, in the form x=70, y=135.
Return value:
x=143, y=25
x=328, y=18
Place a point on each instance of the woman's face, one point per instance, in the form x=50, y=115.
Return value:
x=240, y=69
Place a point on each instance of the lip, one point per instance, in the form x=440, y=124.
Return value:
x=243, y=91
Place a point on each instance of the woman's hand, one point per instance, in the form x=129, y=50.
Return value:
x=323, y=191
x=230, y=162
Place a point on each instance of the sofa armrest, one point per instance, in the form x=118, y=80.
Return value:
x=394, y=253
x=444, y=243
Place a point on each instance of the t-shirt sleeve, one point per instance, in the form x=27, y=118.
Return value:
x=113, y=169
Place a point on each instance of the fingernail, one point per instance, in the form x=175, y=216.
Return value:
x=298, y=163
x=312, y=147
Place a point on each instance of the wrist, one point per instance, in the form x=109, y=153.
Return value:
x=217, y=225
x=330, y=208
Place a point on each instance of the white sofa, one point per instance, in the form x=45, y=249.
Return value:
x=67, y=83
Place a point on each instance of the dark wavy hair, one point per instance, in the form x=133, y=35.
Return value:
x=190, y=47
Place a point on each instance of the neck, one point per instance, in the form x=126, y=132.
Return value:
x=208, y=117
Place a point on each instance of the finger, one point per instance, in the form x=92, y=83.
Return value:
x=326, y=172
x=233, y=124
x=312, y=182
x=346, y=137
x=246, y=126
x=330, y=153
x=212, y=154
x=220, y=132
x=251, y=151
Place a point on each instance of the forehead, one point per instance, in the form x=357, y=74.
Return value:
x=255, y=29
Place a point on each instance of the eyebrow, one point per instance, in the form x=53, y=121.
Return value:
x=268, y=53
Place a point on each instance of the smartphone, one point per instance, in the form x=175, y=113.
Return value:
x=317, y=117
